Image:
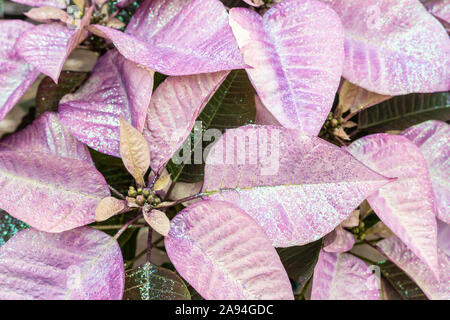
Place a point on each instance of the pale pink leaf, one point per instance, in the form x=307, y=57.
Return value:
x=339, y=240
x=80, y=264
x=342, y=276
x=296, y=52
x=61, y=4
x=404, y=258
x=263, y=116
x=134, y=151
x=183, y=38
x=173, y=109
x=355, y=98
x=394, y=47
x=46, y=134
x=16, y=75
x=48, y=14
x=444, y=236
x=117, y=87
x=432, y=137
x=298, y=188
x=158, y=221
x=406, y=205
x=438, y=8
x=224, y=254
x=109, y=207
x=49, y=192
x=47, y=46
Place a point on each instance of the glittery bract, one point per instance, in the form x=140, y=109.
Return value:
x=432, y=138
x=47, y=135
x=341, y=276
x=178, y=37
x=47, y=46
x=405, y=205
x=394, y=47
x=16, y=75
x=175, y=105
x=81, y=264
x=299, y=193
x=438, y=8
x=61, y=4
x=223, y=254
x=296, y=52
x=339, y=240
x=404, y=258
x=49, y=192
x=117, y=87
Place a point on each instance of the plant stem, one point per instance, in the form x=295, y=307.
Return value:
x=117, y=193
x=149, y=244
x=118, y=226
x=126, y=225
x=174, y=203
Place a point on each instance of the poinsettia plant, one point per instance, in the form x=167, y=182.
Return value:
x=267, y=149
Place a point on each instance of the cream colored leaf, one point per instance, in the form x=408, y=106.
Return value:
x=163, y=182
x=109, y=207
x=134, y=151
x=115, y=23
x=354, y=98
x=352, y=220
x=158, y=221
x=47, y=14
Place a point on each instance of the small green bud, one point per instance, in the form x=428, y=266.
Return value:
x=139, y=191
x=334, y=123
x=146, y=192
x=140, y=200
x=156, y=201
x=132, y=192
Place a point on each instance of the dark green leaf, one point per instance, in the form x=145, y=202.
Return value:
x=232, y=106
x=401, y=112
x=49, y=93
x=9, y=226
x=150, y=282
x=113, y=170
x=299, y=261
x=400, y=281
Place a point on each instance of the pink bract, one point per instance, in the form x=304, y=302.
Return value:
x=224, y=254
x=16, y=75
x=394, y=47
x=404, y=258
x=81, y=264
x=432, y=137
x=47, y=46
x=296, y=52
x=341, y=276
x=117, y=87
x=178, y=38
x=173, y=109
x=406, y=205
x=298, y=194
x=46, y=134
x=49, y=192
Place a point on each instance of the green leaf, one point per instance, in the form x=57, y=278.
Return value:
x=401, y=112
x=113, y=170
x=299, y=261
x=400, y=281
x=232, y=106
x=150, y=282
x=49, y=93
x=9, y=226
